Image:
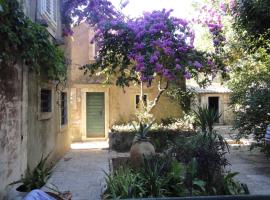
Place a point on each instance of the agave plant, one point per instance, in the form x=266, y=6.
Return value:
x=37, y=178
x=142, y=131
x=205, y=118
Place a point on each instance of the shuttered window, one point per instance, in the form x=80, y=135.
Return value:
x=49, y=10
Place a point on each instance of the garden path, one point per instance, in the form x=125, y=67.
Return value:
x=253, y=168
x=81, y=172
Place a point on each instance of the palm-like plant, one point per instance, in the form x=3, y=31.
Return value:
x=142, y=131
x=37, y=178
x=205, y=118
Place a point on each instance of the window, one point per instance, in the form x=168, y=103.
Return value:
x=138, y=100
x=45, y=100
x=49, y=10
x=63, y=108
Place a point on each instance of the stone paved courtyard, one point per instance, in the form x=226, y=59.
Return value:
x=254, y=169
x=82, y=173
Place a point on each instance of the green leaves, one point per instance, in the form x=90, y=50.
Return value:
x=37, y=178
x=27, y=42
x=205, y=118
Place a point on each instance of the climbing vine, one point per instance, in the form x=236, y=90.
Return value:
x=26, y=42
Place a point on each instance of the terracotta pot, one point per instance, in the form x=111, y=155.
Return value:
x=138, y=150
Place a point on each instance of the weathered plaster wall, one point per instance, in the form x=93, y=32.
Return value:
x=45, y=134
x=13, y=138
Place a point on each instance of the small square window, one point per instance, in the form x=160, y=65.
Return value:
x=138, y=100
x=63, y=108
x=45, y=100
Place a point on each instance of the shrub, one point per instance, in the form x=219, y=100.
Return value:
x=208, y=149
x=253, y=117
x=124, y=183
x=164, y=176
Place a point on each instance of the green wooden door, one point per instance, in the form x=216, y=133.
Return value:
x=95, y=114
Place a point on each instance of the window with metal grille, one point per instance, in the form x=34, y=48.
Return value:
x=46, y=100
x=138, y=100
x=63, y=108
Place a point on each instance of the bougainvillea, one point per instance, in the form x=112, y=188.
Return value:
x=153, y=47
x=155, y=44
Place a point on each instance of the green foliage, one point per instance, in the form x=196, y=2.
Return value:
x=183, y=97
x=123, y=183
x=205, y=118
x=164, y=176
x=205, y=150
x=37, y=178
x=229, y=186
x=252, y=16
x=252, y=117
x=23, y=41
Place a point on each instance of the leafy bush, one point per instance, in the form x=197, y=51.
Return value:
x=164, y=176
x=35, y=179
x=123, y=183
x=252, y=117
x=252, y=16
x=208, y=149
x=25, y=41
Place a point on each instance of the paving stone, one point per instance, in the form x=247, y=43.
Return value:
x=82, y=173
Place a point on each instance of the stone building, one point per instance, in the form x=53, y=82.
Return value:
x=215, y=96
x=33, y=113
x=95, y=107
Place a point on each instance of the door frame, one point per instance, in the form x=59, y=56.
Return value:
x=94, y=88
x=218, y=104
x=204, y=102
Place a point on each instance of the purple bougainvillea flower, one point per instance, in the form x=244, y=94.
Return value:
x=198, y=65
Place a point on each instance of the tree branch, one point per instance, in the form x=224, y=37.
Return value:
x=160, y=92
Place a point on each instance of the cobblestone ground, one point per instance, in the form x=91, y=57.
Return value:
x=82, y=173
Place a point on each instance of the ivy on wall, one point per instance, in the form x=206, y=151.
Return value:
x=28, y=43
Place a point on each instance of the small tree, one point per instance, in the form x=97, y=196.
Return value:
x=153, y=47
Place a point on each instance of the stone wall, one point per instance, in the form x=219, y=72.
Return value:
x=13, y=138
x=224, y=107
x=45, y=134
x=24, y=136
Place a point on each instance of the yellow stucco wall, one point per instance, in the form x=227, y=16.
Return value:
x=120, y=105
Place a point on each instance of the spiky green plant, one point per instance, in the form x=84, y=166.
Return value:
x=142, y=131
x=205, y=118
x=37, y=178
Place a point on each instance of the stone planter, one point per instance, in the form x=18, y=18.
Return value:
x=138, y=151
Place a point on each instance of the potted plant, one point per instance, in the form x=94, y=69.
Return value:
x=32, y=180
x=141, y=146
